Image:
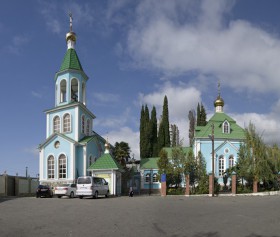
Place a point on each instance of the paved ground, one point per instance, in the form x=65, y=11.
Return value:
x=141, y=216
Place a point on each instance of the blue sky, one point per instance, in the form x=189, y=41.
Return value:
x=134, y=53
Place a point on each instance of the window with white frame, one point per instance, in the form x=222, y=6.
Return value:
x=226, y=127
x=221, y=165
x=62, y=167
x=147, y=178
x=51, y=167
x=66, y=123
x=231, y=161
x=155, y=178
x=56, y=124
x=74, y=89
x=88, y=127
x=63, y=91
x=83, y=124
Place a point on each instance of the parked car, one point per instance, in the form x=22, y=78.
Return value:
x=44, y=191
x=65, y=190
x=92, y=186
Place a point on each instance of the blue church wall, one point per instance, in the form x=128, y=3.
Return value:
x=64, y=148
x=61, y=113
x=79, y=161
x=221, y=148
x=150, y=184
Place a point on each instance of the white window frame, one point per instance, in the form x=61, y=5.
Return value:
x=147, y=178
x=51, y=167
x=226, y=127
x=230, y=161
x=221, y=165
x=155, y=178
x=56, y=125
x=66, y=123
x=63, y=93
x=83, y=124
x=62, y=167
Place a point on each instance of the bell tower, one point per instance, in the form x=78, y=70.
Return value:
x=70, y=80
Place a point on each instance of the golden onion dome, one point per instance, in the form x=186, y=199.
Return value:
x=71, y=36
x=219, y=102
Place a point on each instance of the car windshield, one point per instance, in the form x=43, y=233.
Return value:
x=84, y=180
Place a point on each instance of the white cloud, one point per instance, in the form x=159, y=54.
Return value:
x=240, y=54
x=36, y=94
x=125, y=134
x=266, y=125
x=17, y=44
x=31, y=150
x=104, y=97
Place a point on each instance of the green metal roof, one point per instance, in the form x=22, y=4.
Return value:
x=149, y=163
x=105, y=162
x=71, y=61
x=236, y=132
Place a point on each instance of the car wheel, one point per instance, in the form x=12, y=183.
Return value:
x=81, y=197
x=96, y=195
x=107, y=194
x=59, y=196
x=71, y=195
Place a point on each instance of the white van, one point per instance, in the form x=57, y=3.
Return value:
x=88, y=186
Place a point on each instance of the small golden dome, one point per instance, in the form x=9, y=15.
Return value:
x=71, y=36
x=219, y=102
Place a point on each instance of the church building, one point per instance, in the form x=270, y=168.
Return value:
x=226, y=135
x=71, y=145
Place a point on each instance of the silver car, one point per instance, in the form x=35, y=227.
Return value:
x=65, y=190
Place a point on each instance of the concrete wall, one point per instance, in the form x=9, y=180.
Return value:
x=17, y=186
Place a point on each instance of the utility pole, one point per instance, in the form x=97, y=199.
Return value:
x=213, y=171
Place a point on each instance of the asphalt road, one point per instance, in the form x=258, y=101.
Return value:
x=141, y=216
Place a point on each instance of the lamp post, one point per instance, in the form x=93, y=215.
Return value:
x=213, y=172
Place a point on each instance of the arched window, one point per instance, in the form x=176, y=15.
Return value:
x=51, y=167
x=66, y=123
x=84, y=93
x=231, y=161
x=147, y=178
x=221, y=165
x=83, y=123
x=226, y=127
x=63, y=91
x=56, y=124
x=62, y=167
x=155, y=178
x=88, y=127
x=74, y=90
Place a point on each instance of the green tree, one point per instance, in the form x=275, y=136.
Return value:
x=122, y=152
x=164, y=133
x=253, y=162
x=177, y=165
x=142, y=133
x=203, y=116
x=191, y=126
x=198, y=115
x=153, y=130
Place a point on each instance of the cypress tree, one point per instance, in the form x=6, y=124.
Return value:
x=203, y=116
x=198, y=115
x=142, y=132
x=165, y=119
x=164, y=134
x=147, y=133
x=191, y=126
x=153, y=129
